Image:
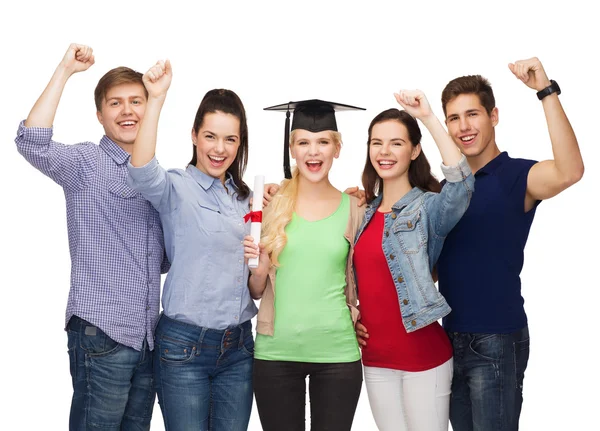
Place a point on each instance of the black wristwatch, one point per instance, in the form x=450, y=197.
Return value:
x=552, y=88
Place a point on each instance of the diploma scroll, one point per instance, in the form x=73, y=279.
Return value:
x=256, y=214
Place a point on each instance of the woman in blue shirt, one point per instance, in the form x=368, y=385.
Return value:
x=203, y=341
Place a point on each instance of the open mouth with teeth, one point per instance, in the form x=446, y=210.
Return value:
x=216, y=161
x=314, y=165
x=386, y=164
x=467, y=139
x=127, y=124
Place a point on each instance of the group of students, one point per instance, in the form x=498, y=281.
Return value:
x=356, y=284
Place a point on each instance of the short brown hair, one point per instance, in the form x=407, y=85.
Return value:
x=471, y=84
x=114, y=77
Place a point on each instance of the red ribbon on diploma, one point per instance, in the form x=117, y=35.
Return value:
x=253, y=216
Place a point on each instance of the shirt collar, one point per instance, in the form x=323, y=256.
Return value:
x=408, y=198
x=494, y=164
x=414, y=193
x=206, y=181
x=118, y=154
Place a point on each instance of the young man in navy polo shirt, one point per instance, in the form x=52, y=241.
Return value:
x=483, y=255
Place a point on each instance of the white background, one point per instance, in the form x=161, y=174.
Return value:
x=277, y=52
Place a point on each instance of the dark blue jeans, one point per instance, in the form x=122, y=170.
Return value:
x=203, y=376
x=112, y=383
x=487, y=387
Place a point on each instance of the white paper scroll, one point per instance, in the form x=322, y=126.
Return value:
x=257, y=203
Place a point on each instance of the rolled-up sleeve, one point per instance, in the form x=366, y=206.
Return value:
x=447, y=207
x=70, y=166
x=152, y=181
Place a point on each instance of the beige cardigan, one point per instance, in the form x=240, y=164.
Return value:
x=266, y=312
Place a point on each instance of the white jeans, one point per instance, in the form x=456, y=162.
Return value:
x=410, y=401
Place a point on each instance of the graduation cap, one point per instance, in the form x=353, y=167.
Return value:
x=313, y=115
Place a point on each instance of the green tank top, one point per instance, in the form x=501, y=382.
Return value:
x=312, y=321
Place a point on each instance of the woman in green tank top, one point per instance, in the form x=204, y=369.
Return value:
x=306, y=326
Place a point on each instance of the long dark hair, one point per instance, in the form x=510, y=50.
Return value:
x=419, y=171
x=227, y=102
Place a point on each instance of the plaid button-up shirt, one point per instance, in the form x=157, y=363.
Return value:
x=115, y=235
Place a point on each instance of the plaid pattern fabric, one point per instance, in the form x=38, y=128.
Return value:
x=115, y=235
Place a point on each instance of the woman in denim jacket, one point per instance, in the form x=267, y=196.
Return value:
x=406, y=354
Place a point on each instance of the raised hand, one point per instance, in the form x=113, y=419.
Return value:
x=157, y=79
x=414, y=102
x=78, y=58
x=531, y=73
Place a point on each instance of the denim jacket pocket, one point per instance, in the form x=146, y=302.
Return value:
x=408, y=230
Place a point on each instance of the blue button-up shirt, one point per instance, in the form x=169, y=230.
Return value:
x=204, y=229
x=115, y=236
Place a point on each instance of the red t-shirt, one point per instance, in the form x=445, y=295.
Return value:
x=389, y=345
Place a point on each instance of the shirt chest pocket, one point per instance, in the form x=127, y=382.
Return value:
x=408, y=231
x=123, y=191
x=198, y=217
x=210, y=218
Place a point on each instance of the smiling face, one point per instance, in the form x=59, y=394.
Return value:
x=121, y=111
x=391, y=151
x=470, y=126
x=314, y=153
x=217, y=141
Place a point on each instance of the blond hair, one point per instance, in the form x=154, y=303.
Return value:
x=279, y=212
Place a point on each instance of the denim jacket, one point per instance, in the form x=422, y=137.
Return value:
x=414, y=233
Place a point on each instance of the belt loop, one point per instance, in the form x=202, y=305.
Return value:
x=202, y=334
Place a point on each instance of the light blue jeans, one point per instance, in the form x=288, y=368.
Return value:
x=203, y=376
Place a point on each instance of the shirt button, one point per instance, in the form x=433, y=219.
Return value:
x=413, y=322
x=400, y=279
x=235, y=317
x=409, y=224
x=392, y=256
x=394, y=215
x=147, y=308
x=405, y=302
x=387, y=233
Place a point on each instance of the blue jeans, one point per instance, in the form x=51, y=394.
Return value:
x=203, y=376
x=112, y=383
x=487, y=387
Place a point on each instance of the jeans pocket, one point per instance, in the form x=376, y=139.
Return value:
x=248, y=346
x=489, y=347
x=96, y=343
x=72, y=350
x=175, y=352
x=521, y=357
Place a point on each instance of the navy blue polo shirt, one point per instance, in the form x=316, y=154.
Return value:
x=480, y=265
